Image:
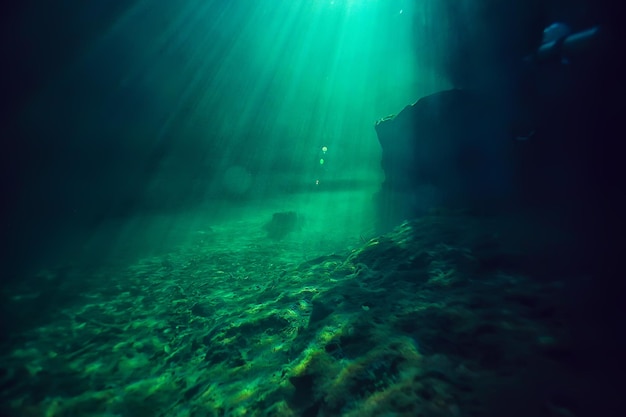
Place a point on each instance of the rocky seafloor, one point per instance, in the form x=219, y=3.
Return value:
x=444, y=316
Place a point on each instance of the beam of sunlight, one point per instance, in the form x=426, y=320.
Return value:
x=231, y=108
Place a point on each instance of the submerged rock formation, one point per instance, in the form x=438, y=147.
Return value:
x=449, y=149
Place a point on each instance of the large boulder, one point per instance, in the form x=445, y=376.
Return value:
x=451, y=149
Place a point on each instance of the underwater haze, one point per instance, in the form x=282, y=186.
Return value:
x=213, y=106
x=315, y=208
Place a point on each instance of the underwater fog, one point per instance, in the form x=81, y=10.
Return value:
x=204, y=105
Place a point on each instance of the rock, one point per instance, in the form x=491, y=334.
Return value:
x=449, y=149
x=282, y=224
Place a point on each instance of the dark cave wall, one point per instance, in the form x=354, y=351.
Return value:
x=571, y=112
x=480, y=46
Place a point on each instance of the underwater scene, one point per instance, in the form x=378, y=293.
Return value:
x=312, y=208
